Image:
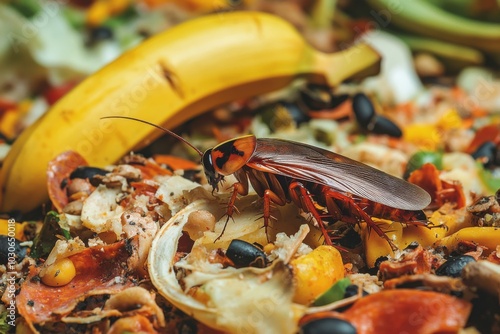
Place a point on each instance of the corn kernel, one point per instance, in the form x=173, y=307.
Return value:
x=316, y=272
x=97, y=13
x=60, y=273
x=450, y=120
x=18, y=227
x=425, y=136
x=118, y=6
x=268, y=248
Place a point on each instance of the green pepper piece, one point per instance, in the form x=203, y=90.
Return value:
x=46, y=239
x=420, y=158
x=335, y=293
x=489, y=179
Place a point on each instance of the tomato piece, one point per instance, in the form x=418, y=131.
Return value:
x=408, y=311
x=58, y=172
x=55, y=93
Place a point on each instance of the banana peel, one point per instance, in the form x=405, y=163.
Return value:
x=167, y=80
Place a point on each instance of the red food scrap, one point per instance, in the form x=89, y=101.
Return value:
x=97, y=270
x=427, y=177
x=58, y=172
x=417, y=261
x=408, y=311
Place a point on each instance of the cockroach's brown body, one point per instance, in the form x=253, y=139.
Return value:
x=316, y=180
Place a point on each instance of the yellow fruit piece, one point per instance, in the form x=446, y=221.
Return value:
x=402, y=236
x=316, y=272
x=9, y=123
x=98, y=13
x=12, y=229
x=59, y=273
x=484, y=236
x=450, y=120
x=443, y=225
x=424, y=136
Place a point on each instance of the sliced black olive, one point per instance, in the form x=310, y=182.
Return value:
x=244, y=254
x=381, y=125
x=99, y=34
x=296, y=113
x=363, y=109
x=10, y=248
x=282, y=115
x=486, y=154
x=412, y=245
x=338, y=100
x=316, y=97
x=379, y=261
x=328, y=326
x=453, y=266
x=86, y=172
x=353, y=290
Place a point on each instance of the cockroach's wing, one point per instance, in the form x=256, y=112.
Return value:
x=313, y=164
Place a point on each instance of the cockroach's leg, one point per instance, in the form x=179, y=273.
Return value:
x=333, y=209
x=360, y=213
x=270, y=196
x=238, y=189
x=303, y=198
x=415, y=218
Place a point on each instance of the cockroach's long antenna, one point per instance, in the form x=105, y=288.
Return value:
x=173, y=134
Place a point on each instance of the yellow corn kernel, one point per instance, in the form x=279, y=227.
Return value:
x=118, y=6
x=98, y=13
x=450, y=120
x=60, y=273
x=9, y=123
x=200, y=295
x=16, y=228
x=269, y=248
x=425, y=136
x=484, y=236
x=316, y=272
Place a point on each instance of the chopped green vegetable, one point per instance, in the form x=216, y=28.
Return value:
x=335, y=293
x=28, y=8
x=49, y=234
x=4, y=322
x=76, y=18
x=421, y=158
x=490, y=179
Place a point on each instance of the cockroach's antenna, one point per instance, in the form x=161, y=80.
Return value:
x=173, y=134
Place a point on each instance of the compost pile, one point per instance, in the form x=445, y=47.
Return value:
x=140, y=230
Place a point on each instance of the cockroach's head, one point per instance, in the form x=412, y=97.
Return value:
x=213, y=177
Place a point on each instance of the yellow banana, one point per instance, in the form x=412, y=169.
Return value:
x=167, y=80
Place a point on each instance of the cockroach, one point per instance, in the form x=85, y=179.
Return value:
x=282, y=171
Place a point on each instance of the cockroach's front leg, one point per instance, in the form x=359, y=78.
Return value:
x=303, y=199
x=331, y=194
x=238, y=189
